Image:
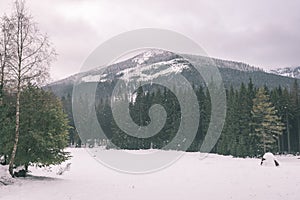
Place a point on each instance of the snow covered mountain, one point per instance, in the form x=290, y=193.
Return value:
x=151, y=64
x=155, y=64
x=143, y=67
x=293, y=72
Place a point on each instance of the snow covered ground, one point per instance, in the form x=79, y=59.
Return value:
x=216, y=177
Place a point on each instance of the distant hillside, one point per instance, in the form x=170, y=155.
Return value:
x=154, y=64
x=293, y=72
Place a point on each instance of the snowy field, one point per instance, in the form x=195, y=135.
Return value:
x=216, y=177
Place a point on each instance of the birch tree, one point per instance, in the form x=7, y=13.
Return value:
x=29, y=64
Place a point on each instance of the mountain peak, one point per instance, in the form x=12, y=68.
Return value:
x=146, y=55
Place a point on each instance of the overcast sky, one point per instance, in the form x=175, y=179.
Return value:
x=264, y=33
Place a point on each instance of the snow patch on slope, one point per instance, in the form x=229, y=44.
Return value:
x=94, y=78
x=153, y=71
x=293, y=72
x=145, y=56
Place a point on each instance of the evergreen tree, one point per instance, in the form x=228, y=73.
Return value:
x=222, y=145
x=43, y=129
x=195, y=146
x=294, y=134
x=233, y=123
x=74, y=138
x=287, y=116
x=104, y=115
x=244, y=112
x=6, y=127
x=267, y=125
x=281, y=100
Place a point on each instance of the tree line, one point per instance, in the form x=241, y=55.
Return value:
x=258, y=120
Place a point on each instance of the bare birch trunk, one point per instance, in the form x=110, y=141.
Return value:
x=32, y=54
x=17, y=132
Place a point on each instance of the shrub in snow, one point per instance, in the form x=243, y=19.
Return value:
x=269, y=160
x=20, y=173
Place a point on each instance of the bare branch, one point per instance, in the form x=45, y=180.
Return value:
x=30, y=54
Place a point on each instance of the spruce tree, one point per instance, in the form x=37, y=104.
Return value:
x=294, y=139
x=244, y=111
x=267, y=124
x=6, y=127
x=44, y=129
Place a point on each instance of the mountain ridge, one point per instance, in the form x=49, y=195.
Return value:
x=154, y=64
x=293, y=72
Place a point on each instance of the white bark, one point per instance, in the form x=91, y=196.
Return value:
x=32, y=54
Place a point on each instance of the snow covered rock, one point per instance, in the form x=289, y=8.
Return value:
x=5, y=178
x=1, y=159
x=269, y=160
x=64, y=169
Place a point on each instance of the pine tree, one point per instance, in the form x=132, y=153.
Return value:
x=267, y=125
x=74, y=138
x=6, y=127
x=287, y=115
x=195, y=146
x=231, y=127
x=43, y=129
x=222, y=145
x=244, y=111
x=294, y=139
